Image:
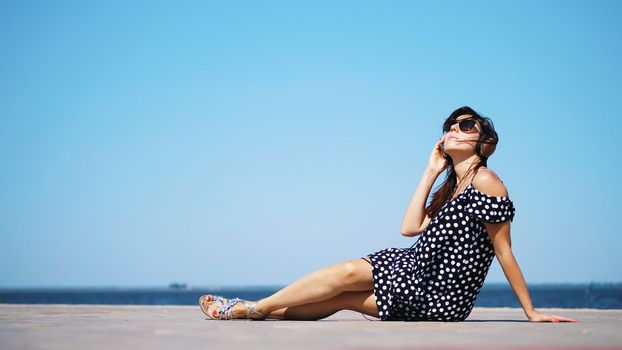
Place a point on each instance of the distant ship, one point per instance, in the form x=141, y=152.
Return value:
x=176, y=285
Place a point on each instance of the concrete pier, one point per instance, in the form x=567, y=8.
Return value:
x=186, y=327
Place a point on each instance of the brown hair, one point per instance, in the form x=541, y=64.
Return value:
x=484, y=148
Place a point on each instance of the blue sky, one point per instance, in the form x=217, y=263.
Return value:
x=249, y=143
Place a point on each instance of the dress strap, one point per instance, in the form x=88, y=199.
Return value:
x=467, y=185
x=473, y=177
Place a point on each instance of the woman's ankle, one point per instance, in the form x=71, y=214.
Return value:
x=263, y=307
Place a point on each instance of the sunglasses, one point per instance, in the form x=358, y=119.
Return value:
x=465, y=125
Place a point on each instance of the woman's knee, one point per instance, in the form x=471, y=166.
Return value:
x=356, y=273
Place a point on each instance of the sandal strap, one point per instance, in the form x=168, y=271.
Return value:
x=251, y=309
x=222, y=299
x=215, y=298
x=226, y=311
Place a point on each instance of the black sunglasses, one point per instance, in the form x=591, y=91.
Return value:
x=466, y=125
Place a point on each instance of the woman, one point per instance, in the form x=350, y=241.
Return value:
x=465, y=225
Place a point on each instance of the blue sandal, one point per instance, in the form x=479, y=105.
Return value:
x=225, y=311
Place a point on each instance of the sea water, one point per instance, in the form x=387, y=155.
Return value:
x=592, y=295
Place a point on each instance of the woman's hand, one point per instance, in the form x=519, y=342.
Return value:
x=537, y=316
x=437, y=162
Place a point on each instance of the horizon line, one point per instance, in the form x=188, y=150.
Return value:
x=186, y=286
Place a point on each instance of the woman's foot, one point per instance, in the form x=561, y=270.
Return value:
x=206, y=300
x=224, y=309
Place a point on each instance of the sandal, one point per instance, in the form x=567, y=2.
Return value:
x=205, y=302
x=225, y=311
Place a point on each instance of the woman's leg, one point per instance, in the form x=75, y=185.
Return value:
x=348, y=276
x=363, y=301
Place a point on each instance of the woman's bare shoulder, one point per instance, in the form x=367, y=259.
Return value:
x=487, y=181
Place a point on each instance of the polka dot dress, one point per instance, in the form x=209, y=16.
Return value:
x=440, y=276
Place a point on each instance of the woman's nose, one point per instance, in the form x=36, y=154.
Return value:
x=454, y=127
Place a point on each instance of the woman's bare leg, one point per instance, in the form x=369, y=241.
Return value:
x=363, y=301
x=347, y=276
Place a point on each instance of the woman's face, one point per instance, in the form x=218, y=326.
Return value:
x=461, y=142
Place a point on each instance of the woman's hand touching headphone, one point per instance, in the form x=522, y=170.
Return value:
x=437, y=161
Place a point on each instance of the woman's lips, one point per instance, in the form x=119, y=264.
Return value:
x=452, y=138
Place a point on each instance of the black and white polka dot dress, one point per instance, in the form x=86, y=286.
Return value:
x=440, y=276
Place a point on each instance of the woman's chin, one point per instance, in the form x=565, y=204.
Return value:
x=459, y=153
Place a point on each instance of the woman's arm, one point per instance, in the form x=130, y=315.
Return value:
x=415, y=220
x=499, y=234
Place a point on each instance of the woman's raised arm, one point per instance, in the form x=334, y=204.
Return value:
x=415, y=220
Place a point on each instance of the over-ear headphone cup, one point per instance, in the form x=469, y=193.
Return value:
x=487, y=148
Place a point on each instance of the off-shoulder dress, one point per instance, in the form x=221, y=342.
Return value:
x=440, y=276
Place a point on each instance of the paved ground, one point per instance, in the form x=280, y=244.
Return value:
x=185, y=327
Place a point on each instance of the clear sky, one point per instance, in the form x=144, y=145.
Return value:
x=227, y=143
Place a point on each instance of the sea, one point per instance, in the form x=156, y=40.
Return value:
x=589, y=295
